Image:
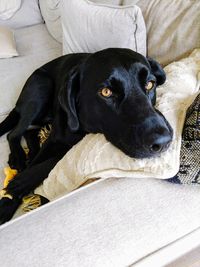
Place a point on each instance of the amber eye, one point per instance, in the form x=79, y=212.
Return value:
x=106, y=92
x=149, y=85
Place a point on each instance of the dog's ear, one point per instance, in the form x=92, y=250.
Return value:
x=67, y=98
x=157, y=71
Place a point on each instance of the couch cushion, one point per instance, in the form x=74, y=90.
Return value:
x=28, y=14
x=35, y=47
x=8, y=8
x=114, y=222
x=50, y=10
x=173, y=27
x=89, y=27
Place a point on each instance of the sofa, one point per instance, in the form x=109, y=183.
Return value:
x=109, y=222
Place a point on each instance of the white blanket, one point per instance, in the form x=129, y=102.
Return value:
x=8, y=8
x=95, y=157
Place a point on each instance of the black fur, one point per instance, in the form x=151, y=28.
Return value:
x=66, y=93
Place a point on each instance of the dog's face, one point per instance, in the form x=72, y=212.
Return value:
x=113, y=92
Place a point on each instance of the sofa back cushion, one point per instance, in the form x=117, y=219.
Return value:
x=7, y=43
x=8, y=8
x=89, y=27
x=173, y=27
x=50, y=10
x=28, y=14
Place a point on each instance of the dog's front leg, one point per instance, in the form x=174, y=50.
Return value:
x=22, y=184
x=53, y=148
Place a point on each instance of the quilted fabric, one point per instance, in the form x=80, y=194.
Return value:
x=95, y=157
x=189, y=172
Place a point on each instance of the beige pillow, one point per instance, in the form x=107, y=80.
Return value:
x=50, y=10
x=8, y=8
x=28, y=14
x=7, y=43
x=89, y=27
x=173, y=27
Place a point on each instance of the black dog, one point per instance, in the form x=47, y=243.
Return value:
x=110, y=92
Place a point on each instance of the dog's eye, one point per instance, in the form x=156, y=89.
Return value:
x=150, y=85
x=106, y=92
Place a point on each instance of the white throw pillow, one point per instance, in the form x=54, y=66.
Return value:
x=95, y=157
x=173, y=27
x=89, y=27
x=7, y=43
x=8, y=8
x=51, y=13
x=28, y=14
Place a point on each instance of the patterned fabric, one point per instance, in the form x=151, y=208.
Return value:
x=189, y=172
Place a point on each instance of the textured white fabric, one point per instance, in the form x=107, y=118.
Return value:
x=173, y=27
x=95, y=157
x=111, y=223
x=50, y=10
x=89, y=27
x=8, y=8
x=7, y=43
x=28, y=14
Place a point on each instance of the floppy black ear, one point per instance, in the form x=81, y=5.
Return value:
x=157, y=71
x=67, y=98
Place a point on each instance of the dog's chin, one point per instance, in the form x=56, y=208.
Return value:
x=133, y=153
x=140, y=154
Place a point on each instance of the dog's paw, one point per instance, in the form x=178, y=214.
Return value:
x=7, y=209
x=17, y=162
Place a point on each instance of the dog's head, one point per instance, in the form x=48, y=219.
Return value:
x=114, y=92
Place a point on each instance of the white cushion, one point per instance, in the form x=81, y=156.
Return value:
x=88, y=27
x=7, y=43
x=95, y=157
x=111, y=223
x=8, y=8
x=15, y=71
x=50, y=10
x=51, y=13
x=28, y=14
x=173, y=27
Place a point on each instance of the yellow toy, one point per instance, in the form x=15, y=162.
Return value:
x=29, y=202
x=32, y=201
x=10, y=174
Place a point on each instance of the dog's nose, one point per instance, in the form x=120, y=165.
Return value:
x=159, y=142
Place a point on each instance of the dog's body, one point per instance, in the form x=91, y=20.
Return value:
x=105, y=92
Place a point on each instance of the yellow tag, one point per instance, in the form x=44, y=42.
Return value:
x=10, y=174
